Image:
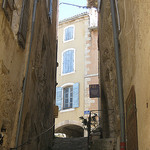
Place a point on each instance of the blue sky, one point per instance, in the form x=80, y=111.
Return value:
x=66, y=11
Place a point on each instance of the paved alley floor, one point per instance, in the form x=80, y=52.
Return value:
x=70, y=144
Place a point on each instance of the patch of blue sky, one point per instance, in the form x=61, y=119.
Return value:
x=66, y=11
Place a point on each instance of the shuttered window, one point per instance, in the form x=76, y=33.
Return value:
x=8, y=7
x=69, y=33
x=76, y=95
x=23, y=26
x=68, y=61
x=67, y=97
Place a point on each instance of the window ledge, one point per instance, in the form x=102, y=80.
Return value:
x=66, y=110
x=63, y=74
x=68, y=40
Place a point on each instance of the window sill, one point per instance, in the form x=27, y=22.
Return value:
x=68, y=40
x=63, y=74
x=66, y=110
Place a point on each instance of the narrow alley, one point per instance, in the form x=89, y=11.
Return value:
x=74, y=75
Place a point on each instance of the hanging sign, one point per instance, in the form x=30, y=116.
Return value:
x=94, y=90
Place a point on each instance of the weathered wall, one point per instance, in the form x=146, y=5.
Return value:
x=134, y=47
x=109, y=97
x=12, y=60
x=134, y=57
x=40, y=88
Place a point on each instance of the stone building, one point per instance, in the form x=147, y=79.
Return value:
x=27, y=73
x=77, y=54
x=131, y=18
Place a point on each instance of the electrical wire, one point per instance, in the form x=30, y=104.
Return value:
x=85, y=7
x=29, y=141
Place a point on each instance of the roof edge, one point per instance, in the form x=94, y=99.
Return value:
x=74, y=17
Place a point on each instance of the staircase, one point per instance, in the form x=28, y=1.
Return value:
x=70, y=144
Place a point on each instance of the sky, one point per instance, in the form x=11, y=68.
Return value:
x=66, y=11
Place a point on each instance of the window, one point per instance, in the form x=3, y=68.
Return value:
x=68, y=96
x=23, y=26
x=69, y=33
x=68, y=61
x=8, y=7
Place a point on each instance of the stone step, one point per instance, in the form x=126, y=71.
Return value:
x=70, y=144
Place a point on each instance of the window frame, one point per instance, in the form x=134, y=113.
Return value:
x=62, y=104
x=62, y=74
x=70, y=90
x=73, y=33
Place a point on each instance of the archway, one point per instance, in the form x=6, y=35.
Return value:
x=70, y=130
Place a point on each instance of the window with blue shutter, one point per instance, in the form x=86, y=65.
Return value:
x=68, y=62
x=76, y=95
x=59, y=97
x=69, y=33
x=67, y=97
x=71, y=96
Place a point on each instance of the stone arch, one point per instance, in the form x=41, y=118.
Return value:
x=71, y=128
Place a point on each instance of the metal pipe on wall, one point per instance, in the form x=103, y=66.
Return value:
x=26, y=74
x=119, y=80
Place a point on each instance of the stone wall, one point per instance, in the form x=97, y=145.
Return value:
x=109, y=96
x=134, y=58
x=134, y=46
x=37, y=115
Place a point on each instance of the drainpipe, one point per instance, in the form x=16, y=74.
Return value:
x=25, y=80
x=119, y=81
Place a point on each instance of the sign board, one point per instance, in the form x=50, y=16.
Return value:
x=94, y=90
x=86, y=112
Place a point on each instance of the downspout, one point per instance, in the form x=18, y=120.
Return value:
x=119, y=80
x=26, y=74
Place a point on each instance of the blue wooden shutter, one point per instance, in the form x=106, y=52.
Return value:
x=71, y=33
x=68, y=61
x=72, y=61
x=76, y=95
x=59, y=97
x=64, y=62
